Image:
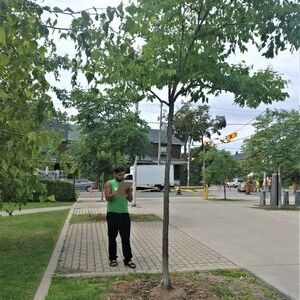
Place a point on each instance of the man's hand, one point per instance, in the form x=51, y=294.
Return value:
x=124, y=189
x=109, y=196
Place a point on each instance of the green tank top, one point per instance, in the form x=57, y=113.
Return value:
x=119, y=204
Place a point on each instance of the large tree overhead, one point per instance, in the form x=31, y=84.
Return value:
x=26, y=55
x=170, y=49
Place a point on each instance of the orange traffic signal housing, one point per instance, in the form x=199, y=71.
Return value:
x=230, y=136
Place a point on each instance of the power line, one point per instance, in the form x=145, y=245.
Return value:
x=251, y=120
x=228, y=124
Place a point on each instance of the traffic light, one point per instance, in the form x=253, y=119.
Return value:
x=230, y=136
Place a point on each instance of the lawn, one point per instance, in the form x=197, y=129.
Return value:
x=219, y=284
x=26, y=245
x=40, y=205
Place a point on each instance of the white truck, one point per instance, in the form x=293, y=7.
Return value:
x=149, y=176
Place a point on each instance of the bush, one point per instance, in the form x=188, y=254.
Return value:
x=61, y=189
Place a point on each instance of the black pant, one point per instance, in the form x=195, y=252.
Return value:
x=118, y=223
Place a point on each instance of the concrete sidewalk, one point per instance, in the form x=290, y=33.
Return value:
x=34, y=210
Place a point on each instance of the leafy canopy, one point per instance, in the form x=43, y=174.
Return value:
x=275, y=144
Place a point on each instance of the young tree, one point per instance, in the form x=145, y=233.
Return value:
x=110, y=131
x=182, y=48
x=275, y=144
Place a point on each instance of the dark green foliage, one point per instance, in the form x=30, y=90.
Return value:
x=62, y=190
x=275, y=145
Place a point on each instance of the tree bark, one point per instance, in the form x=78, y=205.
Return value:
x=166, y=281
x=224, y=191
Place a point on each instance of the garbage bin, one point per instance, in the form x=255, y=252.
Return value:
x=297, y=198
x=286, y=198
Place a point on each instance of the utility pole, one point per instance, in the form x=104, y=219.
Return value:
x=189, y=159
x=203, y=165
x=159, y=134
x=134, y=168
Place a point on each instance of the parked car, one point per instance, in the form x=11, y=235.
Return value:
x=235, y=183
x=84, y=184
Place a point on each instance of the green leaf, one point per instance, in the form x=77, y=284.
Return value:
x=63, y=35
x=57, y=9
x=3, y=95
x=89, y=76
x=2, y=36
x=69, y=10
x=4, y=60
x=105, y=27
x=110, y=13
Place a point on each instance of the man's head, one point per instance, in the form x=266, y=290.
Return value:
x=119, y=173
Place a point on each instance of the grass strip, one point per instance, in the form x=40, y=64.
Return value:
x=27, y=242
x=86, y=218
x=219, y=284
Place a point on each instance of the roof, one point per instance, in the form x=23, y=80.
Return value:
x=153, y=135
x=71, y=132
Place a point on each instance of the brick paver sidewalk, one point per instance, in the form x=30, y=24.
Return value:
x=85, y=247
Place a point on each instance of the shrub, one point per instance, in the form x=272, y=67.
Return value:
x=61, y=189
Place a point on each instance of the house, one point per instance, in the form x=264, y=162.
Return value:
x=71, y=133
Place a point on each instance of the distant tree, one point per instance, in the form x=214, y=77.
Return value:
x=195, y=123
x=221, y=165
x=275, y=144
x=111, y=133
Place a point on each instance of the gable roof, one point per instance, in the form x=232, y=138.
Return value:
x=153, y=135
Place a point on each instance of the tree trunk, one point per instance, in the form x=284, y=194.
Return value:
x=224, y=191
x=102, y=186
x=166, y=281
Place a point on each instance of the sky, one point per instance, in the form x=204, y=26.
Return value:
x=238, y=119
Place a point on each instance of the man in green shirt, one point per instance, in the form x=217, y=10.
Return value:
x=117, y=194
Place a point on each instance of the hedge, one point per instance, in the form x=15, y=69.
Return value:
x=62, y=190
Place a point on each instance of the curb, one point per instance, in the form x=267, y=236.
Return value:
x=44, y=286
x=283, y=294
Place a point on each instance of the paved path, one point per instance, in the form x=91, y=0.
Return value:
x=85, y=248
x=34, y=210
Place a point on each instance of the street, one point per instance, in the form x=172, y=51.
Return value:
x=265, y=242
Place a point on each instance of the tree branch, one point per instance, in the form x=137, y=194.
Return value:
x=199, y=26
x=75, y=12
x=190, y=86
x=153, y=93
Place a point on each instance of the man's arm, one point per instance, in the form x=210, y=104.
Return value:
x=129, y=194
x=109, y=196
